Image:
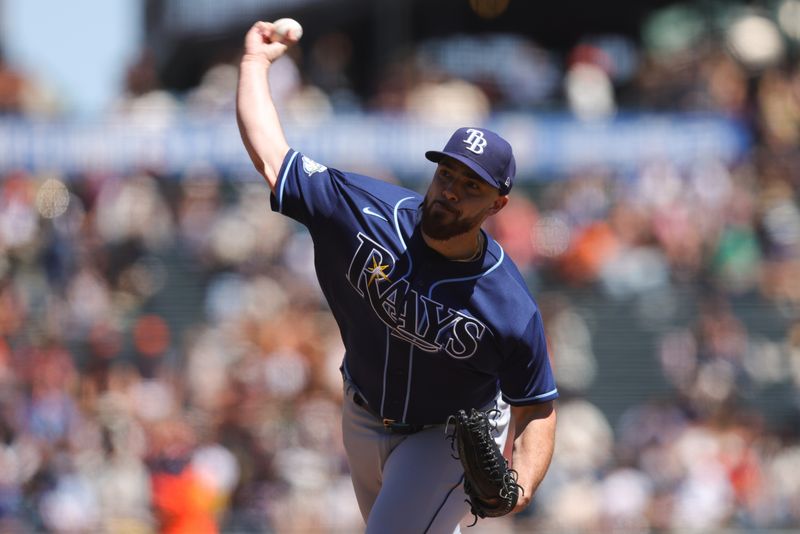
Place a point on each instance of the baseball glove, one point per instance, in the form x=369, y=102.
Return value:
x=491, y=486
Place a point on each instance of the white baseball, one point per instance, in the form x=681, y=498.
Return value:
x=282, y=27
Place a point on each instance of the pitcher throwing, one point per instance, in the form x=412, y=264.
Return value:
x=435, y=318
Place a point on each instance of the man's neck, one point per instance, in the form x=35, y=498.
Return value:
x=459, y=248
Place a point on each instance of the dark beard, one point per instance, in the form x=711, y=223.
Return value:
x=434, y=225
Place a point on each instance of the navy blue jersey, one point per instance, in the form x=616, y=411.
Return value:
x=424, y=336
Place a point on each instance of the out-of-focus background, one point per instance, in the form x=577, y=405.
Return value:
x=168, y=364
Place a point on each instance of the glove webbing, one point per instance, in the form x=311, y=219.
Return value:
x=475, y=429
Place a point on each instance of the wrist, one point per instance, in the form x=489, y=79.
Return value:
x=255, y=60
x=523, y=501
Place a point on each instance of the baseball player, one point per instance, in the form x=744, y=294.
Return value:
x=433, y=315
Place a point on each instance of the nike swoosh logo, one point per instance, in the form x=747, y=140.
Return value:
x=368, y=211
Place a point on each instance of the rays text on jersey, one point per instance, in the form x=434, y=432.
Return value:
x=418, y=319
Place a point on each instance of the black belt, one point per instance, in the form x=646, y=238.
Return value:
x=389, y=424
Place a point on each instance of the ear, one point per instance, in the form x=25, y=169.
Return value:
x=499, y=203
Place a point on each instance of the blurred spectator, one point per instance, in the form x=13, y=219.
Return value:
x=447, y=101
x=12, y=89
x=779, y=107
x=512, y=71
x=215, y=92
x=329, y=68
x=21, y=95
x=144, y=102
x=184, y=497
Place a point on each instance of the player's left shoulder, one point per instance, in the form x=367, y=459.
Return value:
x=506, y=280
x=501, y=265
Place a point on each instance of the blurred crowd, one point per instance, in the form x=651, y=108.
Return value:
x=168, y=364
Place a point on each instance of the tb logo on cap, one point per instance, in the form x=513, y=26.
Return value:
x=475, y=142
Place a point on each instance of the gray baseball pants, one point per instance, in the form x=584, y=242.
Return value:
x=407, y=484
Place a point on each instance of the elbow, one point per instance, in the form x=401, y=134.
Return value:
x=525, y=414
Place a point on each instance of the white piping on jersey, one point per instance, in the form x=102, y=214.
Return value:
x=430, y=291
x=551, y=392
x=397, y=222
x=396, y=217
x=388, y=331
x=385, y=368
x=408, y=382
x=400, y=236
x=283, y=181
x=465, y=278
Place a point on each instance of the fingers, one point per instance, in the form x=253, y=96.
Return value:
x=270, y=35
x=291, y=37
x=265, y=30
x=262, y=42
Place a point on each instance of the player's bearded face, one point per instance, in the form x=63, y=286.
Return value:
x=457, y=202
x=442, y=221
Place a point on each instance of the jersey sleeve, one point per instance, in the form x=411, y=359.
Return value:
x=306, y=190
x=526, y=376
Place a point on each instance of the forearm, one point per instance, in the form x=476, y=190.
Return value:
x=257, y=118
x=533, y=447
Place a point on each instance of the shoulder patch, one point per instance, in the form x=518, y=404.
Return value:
x=310, y=166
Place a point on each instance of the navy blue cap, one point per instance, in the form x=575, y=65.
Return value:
x=483, y=151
